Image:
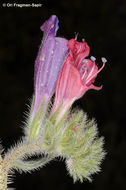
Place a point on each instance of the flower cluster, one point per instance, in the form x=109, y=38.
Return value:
x=62, y=68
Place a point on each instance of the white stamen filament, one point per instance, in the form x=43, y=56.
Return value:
x=96, y=73
x=85, y=72
x=76, y=35
x=91, y=72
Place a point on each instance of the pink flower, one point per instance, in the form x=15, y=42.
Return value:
x=77, y=75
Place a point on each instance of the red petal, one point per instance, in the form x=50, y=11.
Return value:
x=78, y=47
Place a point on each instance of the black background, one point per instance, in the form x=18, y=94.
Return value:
x=102, y=24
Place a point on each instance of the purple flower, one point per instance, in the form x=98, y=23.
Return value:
x=49, y=61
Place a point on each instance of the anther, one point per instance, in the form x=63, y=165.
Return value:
x=92, y=58
x=83, y=67
x=84, y=60
x=104, y=60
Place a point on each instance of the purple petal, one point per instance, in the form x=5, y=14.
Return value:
x=49, y=61
x=59, y=54
x=50, y=27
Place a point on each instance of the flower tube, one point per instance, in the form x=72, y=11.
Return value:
x=51, y=55
x=76, y=76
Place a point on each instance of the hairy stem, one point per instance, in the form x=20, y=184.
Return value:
x=14, y=159
x=3, y=175
x=20, y=151
x=27, y=166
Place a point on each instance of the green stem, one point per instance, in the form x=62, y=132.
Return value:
x=3, y=175
x=20, y=151
x=14, y=159
x=27, y=166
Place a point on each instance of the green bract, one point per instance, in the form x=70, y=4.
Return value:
x=82, y=149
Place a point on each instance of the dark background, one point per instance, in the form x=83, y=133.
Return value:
x=103, y=24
